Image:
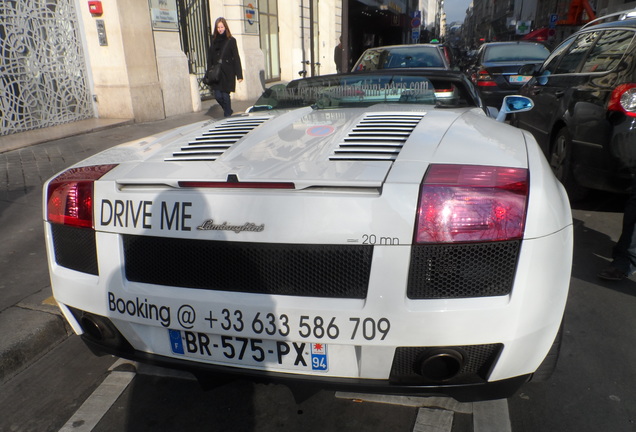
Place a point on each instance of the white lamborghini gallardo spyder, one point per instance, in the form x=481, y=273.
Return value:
x=376, y=232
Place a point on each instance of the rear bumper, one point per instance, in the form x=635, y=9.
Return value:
x=209, y=374
x=501, y=340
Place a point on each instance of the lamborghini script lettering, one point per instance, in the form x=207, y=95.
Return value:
x=209, y=225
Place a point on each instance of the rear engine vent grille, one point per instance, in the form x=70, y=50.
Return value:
x=334, y=271
x=213, y=143
x=463, y=270
x=377, y=137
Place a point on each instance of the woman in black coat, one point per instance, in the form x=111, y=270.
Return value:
x=224, y=45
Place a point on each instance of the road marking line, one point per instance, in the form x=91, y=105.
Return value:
x=491, y=416
x=98, y=403
x=488, y=416
x=446, y=403
x=433, y=420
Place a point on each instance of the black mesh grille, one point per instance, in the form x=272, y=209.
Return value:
x=478, y=361
x=336, y=271
x=462, y=270
x=75, y=248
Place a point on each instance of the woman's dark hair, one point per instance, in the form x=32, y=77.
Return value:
x=228, y=33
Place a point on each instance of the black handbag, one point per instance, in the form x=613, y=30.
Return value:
x=213, y=75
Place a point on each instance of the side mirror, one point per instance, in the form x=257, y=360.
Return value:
x=514, y=104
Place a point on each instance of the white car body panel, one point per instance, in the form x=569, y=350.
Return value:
x=333, y=203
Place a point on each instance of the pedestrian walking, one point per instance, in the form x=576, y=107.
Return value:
x=624, y=252
x=337, y=55
x=224, y=52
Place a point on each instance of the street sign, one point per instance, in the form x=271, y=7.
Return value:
x=553, y=20
x=416, y=19
x=523, y=27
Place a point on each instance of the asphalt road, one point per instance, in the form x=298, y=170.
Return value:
x=591, y=390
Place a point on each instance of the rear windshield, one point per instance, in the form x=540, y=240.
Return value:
x=360, y=90
x=402, y=57
x=516, y=52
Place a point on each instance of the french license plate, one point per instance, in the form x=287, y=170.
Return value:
x=263, y=353
x=519, y=78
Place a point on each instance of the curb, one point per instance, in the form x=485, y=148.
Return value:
x=38, y=136
x=27, y=335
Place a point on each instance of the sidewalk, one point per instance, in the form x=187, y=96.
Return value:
x=30, y=322
x=210, y=109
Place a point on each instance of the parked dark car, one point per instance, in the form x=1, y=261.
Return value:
x=585, y=106
x=495, y=70
x=429, y=56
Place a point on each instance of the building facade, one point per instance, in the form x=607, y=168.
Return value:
x=489, y=20
x=68, y=60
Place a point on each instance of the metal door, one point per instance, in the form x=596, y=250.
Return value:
x=195, y=30
x=43, y=76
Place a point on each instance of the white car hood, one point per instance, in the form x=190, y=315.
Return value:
x=310, y=148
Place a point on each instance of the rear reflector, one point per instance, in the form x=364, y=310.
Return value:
x=70, y=196
x=470, y=203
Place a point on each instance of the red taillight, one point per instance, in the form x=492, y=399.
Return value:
x=470, y=203
x=484, y=79
x=70, y=196
x=486, y=84
x=447, y=54
x=450, y=89
x=623, y=99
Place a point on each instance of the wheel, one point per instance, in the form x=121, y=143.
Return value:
x=561, y=163
x=549, y=363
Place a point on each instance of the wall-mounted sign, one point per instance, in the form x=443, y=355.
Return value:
x=101, y=32
x=523, y=27
x=250, y=16
x=164, y=15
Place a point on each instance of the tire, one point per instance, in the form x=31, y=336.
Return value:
x=561, y=163
x=545, y=370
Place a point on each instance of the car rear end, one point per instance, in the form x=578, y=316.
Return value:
x=416, y=270
x=590, y=93
x=423, y=56
x=497, y=72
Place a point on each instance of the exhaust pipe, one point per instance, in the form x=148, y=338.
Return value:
x=101, y=335
x=98, y=328
x=440, y=364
